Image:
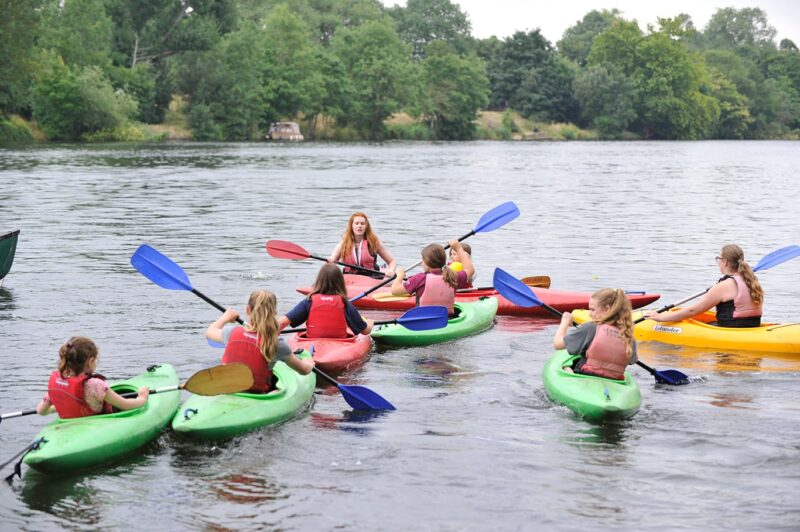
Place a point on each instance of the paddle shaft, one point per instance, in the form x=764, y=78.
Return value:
x=129, y=394
x=393, y=277
x=304, y=329
x=345, y=264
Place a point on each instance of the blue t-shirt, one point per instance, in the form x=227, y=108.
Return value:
x=299, y=314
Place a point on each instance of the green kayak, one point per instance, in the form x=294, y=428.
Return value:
x=223, y=416
x=595, y=398
x=470, y=318
x=80, y=443
x=8, y=247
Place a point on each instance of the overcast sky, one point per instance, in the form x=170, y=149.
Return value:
x=504, y=17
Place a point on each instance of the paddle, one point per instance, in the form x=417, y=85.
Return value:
x=166, y=274
x=536, y=281
x=491, y=220
x=281, y=249
x=779, y=256
x=520, y=294
x=416, y=319
x=227, y=378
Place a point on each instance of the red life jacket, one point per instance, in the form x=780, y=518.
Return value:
x=326, y=317
x=438, y=292
x=363, y=258
x=67, y=395
x=242, y=347
x=607, y=354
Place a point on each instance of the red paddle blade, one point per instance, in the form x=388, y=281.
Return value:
x=281, y=249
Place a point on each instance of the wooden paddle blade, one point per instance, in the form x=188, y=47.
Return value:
x=160, y=269
x=226, y=378
x=537, y=281
x=281, y=249
x=361, y=398
x=387, y=296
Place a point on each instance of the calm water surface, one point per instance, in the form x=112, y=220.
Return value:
x=475, y=442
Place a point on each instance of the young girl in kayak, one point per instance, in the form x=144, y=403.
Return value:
x=257, y=343
x=75, y=390
x=362, y=247
x=326, y=309
x=738, y=295
x=437, y=283
x=606, y=343
x=454, y=259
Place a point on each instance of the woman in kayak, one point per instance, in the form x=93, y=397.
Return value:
x=75, y=390
x=257, y=343
x=362, y=247
x=327, y=310
x=437, y=283
x=738, y=295
x=606, y=343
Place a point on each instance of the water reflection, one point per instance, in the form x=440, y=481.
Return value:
x=246, y=488
x=351, y=421
x=706, y=360
x=437, y=371
x=6, y=302
x=732, y=400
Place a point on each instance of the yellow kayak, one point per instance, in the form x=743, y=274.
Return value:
x=696, y=332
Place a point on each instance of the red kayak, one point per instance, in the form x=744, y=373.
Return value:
x=561, y=300
x=335, y=355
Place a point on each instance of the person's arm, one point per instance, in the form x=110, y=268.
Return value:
x=464, y=259
x=391, y=264
x=336, y=253
x=715, y=295
x=283, y=322
x=297, y=316
x=303, y=366
x=45, y=407
x=214, y=331
x=397, y=288
x=558, y=339
x=114, y=399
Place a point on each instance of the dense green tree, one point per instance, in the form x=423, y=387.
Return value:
x=734, y=118
x=80, y=31
x=19, y=25
x=512, y=62
x=732, y=28
x=577, y=40
x=336, y=92
x=455, y=88
x=546, y=91
x=70, y=101
x=422, y=22
x=607, y=99
x=383, y=77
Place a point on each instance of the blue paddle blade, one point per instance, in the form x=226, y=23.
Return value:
x=514, y=290
x=361, y=398
x=215, y=345
x=671, y=376
x=160, y=269
x=424, y=318
x=497, y=217
x=777, y=257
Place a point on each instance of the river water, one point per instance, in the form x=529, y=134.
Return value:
x=475, y=442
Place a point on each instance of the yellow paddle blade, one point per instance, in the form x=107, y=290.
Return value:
x=226, y=378
x=537, y=281
x=387, y=296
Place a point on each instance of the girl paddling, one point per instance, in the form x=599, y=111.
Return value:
x=327, y=310
x=360, y=246
x=606, y=343
x=437, y=283
x=75, y=390
x=257, y=343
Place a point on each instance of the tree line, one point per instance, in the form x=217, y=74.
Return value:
x=94, y=69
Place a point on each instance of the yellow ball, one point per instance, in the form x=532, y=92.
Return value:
x=456, y=266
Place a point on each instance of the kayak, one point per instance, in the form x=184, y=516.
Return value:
x=224, y=416
x=595, y=398
x=334, y=355
x=561, y=300
x=696, y=332
x=8, y=247
x=80, y=443
x=470, y=318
